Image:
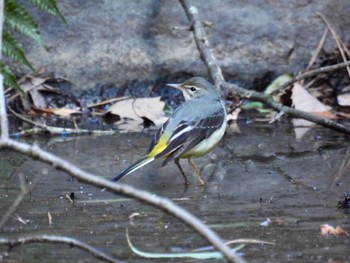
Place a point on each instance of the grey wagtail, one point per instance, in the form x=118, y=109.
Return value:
x=192, y=131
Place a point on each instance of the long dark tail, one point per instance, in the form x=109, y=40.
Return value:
x=145, y=160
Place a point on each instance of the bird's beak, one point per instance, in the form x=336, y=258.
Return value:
x=176, y=86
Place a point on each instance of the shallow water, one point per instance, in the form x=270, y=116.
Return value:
x=261, y=172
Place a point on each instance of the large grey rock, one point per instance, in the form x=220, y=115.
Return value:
x=107, y=42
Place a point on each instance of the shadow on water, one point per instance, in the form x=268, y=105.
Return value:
x=262, y=173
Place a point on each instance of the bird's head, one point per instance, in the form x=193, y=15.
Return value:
x=196, y=87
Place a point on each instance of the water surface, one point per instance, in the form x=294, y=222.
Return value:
x=259, y=173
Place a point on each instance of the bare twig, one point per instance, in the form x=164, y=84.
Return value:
x=40, y=128
x=72, y=242
x=16, y=203
x=341, y=169
x=314, y=72
x=1, y=22
x=216, y=74
x=336, y=38
x=318, y=49
x=4, y=120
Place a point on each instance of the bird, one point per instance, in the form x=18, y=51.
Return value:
x=193, y=129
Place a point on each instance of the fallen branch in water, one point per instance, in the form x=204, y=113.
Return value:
x=42, y=128
x=215, y=72
x=71, y=242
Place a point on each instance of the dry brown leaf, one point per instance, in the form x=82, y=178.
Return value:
x=32, y=97
x=33, y=86
x=63, y=112
x=102, y=103
x=326, y=114
x=233, y=116
x=151, y=108
x=303, y=100
x=344, y=115
x=344, y=99
x=133, y=112
x=31, y=82
x=327, y=230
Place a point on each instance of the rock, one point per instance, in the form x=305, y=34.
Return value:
x=109, y=42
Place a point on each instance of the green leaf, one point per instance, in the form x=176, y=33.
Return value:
x=256, y=105
x=49, y=6
x=10, y=78
x=274, y=86
x=18, y=18
x=13, y=49
x=253, y=105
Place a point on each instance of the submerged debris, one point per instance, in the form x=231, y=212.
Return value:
x=328, y=230
x=344, y=204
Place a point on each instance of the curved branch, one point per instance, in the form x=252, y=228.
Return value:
x=159, y=202
x=3, y=113
x=216, y=74
x=72, y=242
x=16, y=202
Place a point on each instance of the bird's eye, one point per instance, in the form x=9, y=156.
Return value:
x=192, y=88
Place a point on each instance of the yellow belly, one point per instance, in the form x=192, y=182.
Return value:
x=205, y=146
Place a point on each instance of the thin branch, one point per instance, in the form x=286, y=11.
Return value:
x=314, y=72
x=40, y=128
x=318, y=49
x=1, y=23
x=216, y=74
x=203, y=45
x=126, y=190
x=4, y=121
x=3, y=113
x=257, y=96
x=72, y=242
x=16, y=203
x=336, y=38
